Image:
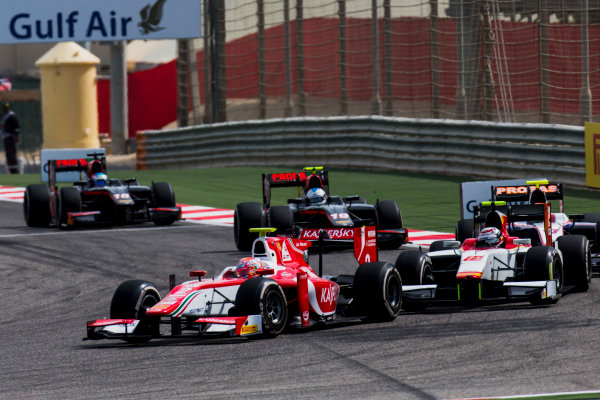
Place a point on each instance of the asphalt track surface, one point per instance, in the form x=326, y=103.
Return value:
x=54, y=281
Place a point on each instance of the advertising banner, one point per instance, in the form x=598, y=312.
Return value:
x=592, y=154
x=35, y=21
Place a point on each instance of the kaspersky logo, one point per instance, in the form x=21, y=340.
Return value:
x=151, y=17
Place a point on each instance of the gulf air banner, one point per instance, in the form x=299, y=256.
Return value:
x=592, y=154
x=35, y=21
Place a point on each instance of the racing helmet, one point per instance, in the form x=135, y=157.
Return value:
x=490, y=236
x=316, y=196
x=248, y=266
x=100, y=179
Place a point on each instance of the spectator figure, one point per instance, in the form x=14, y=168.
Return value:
x=10, y=137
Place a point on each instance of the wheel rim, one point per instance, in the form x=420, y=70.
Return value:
x=147, y=303
x=393, y=291
x=273, y=307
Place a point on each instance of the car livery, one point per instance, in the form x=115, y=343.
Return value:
x=116, y=202
x=333, y=218
x=286, y=293
x=540, y=256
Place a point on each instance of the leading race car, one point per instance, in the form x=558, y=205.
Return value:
x=263, y=294
x=508, y=260
x=314, y=211
x=97, y=199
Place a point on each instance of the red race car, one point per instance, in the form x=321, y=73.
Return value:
x=262, y=295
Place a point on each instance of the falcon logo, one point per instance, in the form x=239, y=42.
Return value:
x=151, y=17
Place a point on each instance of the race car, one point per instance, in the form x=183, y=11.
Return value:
x=506, y=261
x=263, y=294
x=96, y=199
x=524, y=204
x=314, y=213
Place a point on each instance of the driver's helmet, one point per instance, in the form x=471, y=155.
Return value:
x=248, y=266
x=316, y=196
x=100, y=179
x=490, y=237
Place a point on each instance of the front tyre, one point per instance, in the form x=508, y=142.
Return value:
x=377, y=290
x=131, y=300
x=264, y=297
x=542, y=263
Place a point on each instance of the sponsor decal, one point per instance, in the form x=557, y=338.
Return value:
x=473, y=258
x=288, y=177
x=508, y=190
x=339, y=233
x=122, y=196
x=248, y=329
x=71, y=163
x=340, y=216
x=305, y=317
x=285, y=254
x=329, y=294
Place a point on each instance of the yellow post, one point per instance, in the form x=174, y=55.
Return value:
x=69, y=97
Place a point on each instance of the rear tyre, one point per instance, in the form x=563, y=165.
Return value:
x=388, y=214
x=577, y=260
x=542, y=263
x=415, y=269
x=378, y=291
x=246, y=216
x=464, y=230
x=388, y=217
x=36, y=205
x=264, y=297
x=163, y=196
x=131, y=300
x=69, y=200
x=281, y=218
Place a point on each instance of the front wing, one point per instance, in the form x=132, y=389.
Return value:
x=204, y=326
x=511, y=291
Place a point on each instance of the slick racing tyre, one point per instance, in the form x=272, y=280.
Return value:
x=415, y=269
x=577, y=261
x=69, y=200
x=264, y=297
x=246, y=216
x=378, y=291
x=281, y=218
x=388, y=214
x=388, y=217
x=36, y=205
x=131, y=300
x=163, y=196
x=542, y=263
x=464, y=230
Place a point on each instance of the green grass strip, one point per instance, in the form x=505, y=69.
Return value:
x=427, y=201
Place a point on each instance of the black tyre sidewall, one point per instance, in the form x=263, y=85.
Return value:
x=250, y=300
x=69, y=200
x=36, y=205
x=370, y=287
x=282, y=218
x=577, y=261
x=163, y=194
x=246, y=216
x=536, y=265
x=464, y=229
x=130, y=300
x=388, y=215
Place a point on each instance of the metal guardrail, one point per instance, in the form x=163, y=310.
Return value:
x=471, y=148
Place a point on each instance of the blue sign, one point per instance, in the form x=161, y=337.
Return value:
x=31, y=21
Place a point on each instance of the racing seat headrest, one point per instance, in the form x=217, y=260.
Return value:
x=313, y=181
x=537, y=197
x=95, y=167
x=493, y=220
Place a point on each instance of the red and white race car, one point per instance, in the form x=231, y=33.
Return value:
x=283, y=291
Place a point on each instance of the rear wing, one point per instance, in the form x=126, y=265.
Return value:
x=80, y=165
x=301, y=180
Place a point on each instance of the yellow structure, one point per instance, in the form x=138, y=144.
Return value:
x=69, y=97
x=592, y=154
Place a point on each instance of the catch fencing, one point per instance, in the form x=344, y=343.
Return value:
x=466, y=148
